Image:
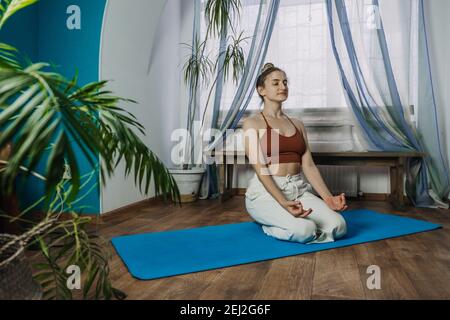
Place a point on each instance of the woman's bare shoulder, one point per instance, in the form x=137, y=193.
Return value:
x=299, y=123
x=253, y=122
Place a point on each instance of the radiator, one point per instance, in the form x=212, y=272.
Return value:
x=340, y=179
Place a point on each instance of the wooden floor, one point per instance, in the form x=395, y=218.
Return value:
x=412, y=267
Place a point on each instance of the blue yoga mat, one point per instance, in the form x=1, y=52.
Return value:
x=168, y=253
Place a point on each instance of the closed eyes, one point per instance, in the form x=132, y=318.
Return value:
x=276, y=82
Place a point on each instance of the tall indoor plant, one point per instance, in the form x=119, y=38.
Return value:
x=46, y=115
x=198, y=70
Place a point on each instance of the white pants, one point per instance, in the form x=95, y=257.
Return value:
x=321, y=225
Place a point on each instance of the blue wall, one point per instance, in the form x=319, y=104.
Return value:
x=41, y=32
x=21, y=31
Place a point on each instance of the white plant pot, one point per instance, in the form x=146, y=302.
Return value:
x=188, y=182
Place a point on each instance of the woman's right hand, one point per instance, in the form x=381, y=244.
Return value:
x=296, y=209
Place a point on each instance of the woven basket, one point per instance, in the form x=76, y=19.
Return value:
x=16, y=280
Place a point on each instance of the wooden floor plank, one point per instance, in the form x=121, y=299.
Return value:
x=237, y=282
x=289, y=278
x=337, y=274
x=429, y=275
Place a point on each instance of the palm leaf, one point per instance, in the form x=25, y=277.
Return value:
x=8, y=55
x=220, y=14
x=9, y=7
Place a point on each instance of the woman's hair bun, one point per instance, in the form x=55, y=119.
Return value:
x=267, y=66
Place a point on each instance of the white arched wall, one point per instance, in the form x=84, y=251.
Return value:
x=140, y=54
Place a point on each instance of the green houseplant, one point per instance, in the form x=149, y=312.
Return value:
x=198, y=70
x=46, y=115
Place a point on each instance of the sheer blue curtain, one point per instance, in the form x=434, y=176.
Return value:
x=382, y=53
x=262, y=31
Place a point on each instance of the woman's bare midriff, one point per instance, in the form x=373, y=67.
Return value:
x=283, y=169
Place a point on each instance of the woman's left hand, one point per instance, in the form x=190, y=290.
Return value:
x=336, y=203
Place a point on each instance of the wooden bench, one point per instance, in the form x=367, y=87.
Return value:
x=395, y=161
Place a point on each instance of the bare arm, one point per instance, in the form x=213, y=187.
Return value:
x=310, y=169
x=314, y=177
x=254, y=153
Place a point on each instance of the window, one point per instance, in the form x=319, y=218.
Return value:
x=300, y=45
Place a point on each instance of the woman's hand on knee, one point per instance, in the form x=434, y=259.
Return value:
x=337, y=203
x=296, y=209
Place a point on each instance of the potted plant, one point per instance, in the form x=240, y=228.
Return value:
x=45, y=116
x=198, y=69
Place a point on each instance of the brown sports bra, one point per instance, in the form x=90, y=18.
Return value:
x=291, y=148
